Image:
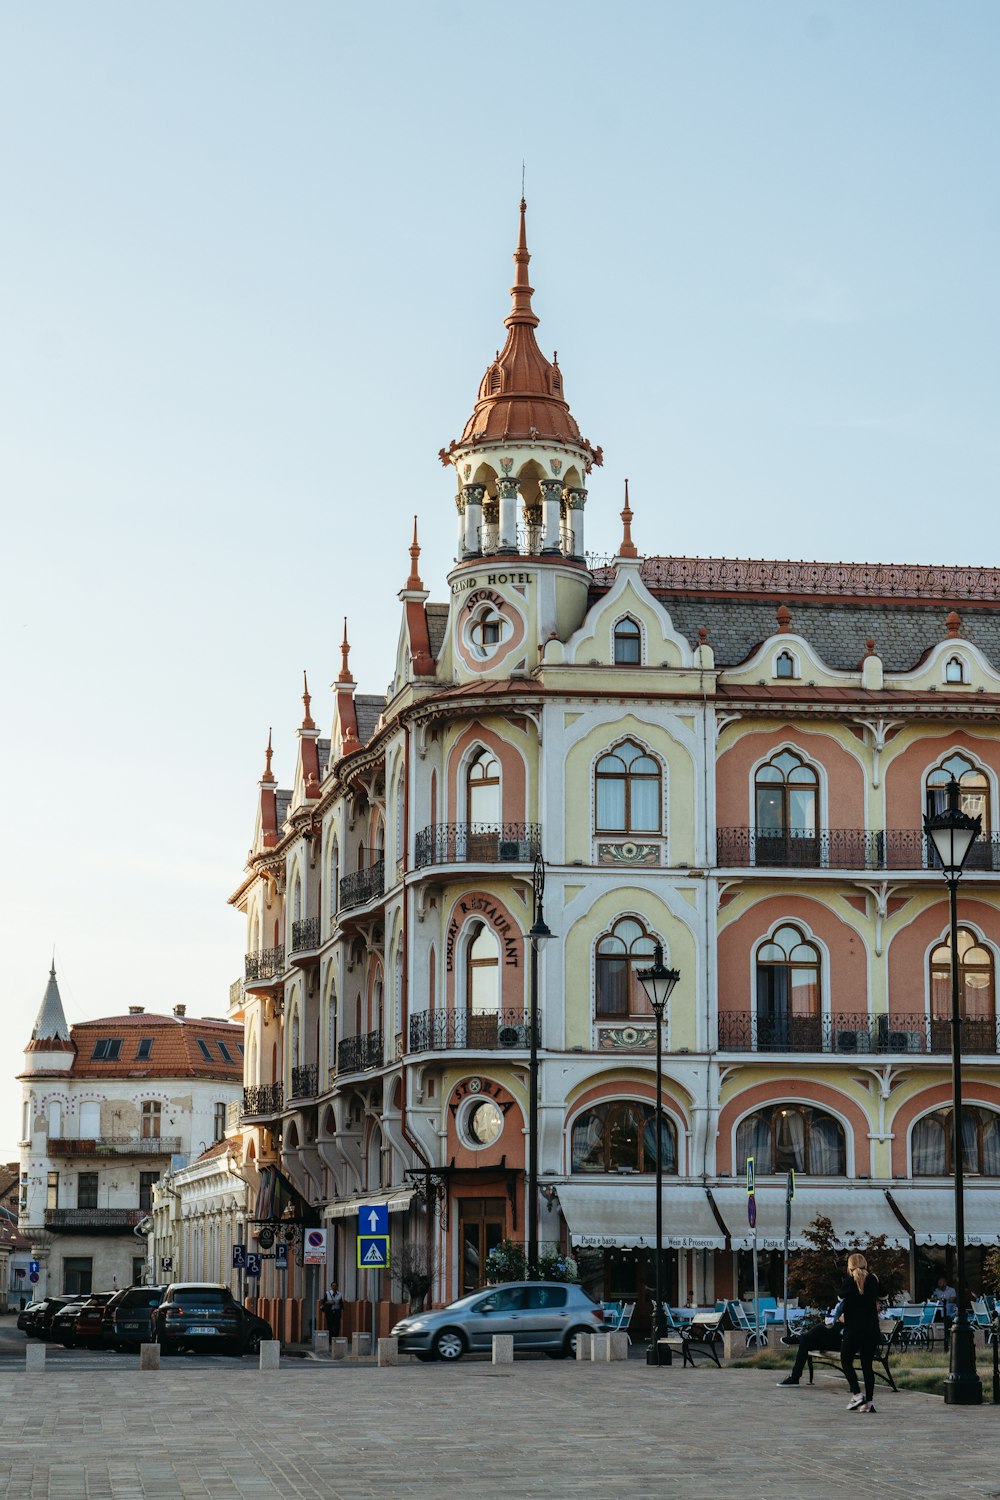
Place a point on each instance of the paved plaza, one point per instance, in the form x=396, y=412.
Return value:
x=222, y=1431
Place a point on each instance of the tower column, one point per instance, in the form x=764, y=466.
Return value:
x=576, y=499
x=551, y=495
x=508, y=490
x=460, y=547
x=472, y=495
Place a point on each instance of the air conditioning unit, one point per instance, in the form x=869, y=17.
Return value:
x=509, y=1036
x=510, y=850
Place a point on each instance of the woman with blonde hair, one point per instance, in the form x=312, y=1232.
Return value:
x=861, y=1293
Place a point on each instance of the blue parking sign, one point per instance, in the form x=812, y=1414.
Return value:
x=239, y=1257
x=252, y=1263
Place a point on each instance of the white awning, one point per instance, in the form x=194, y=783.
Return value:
x=853, y=1210
x=345, y=1208
x=609, y=1214
x=931, y=1211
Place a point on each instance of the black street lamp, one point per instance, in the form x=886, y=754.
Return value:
x=658, y=983
x=539, y=934
x=953, y=833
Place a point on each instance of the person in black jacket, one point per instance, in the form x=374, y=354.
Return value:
x=861, y=1292
x=823, y=1338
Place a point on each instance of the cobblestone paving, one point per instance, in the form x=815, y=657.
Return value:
x=543, y=1429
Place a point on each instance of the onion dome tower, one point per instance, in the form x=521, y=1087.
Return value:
x=521, y=447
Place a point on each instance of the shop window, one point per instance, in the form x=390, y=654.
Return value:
x=621, y=1137
x=628, y=788
x=931, y=1145
x=789, y=997
x=791, y=1137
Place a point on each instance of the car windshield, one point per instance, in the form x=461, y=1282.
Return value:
x=197, y=1297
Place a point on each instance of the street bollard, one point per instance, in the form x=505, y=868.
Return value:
x=149, y=1356
x=388, y=1353
x=34, y=1358
x=503, y=1348
x=617, y=1346
x=321, y=1342
x=361, y=1345
x=338, y=1348
x=601, y=1349
x=585, y=1346
x=270, y=1355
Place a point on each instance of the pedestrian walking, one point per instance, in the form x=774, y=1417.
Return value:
x=332, y=1308
x=861, y=1293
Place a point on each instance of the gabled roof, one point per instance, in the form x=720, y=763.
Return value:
x=369, y=708
x=175, y=1051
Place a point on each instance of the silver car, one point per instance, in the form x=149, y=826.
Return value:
x=544, y=1315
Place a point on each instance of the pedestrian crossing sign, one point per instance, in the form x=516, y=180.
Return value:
x=373, y=1252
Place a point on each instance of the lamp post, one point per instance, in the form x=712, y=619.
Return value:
x=953, y=833
x=539, y=934
x=658, y=982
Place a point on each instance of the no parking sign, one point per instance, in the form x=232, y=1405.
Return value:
x=314, y=1248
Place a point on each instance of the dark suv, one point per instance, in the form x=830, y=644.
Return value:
x=201, y=1315
x=129, y=1316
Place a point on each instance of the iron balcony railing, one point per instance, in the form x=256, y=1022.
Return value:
x=356, y=1054
x=843, y=849
x=115, y=1145
x=741, y=1031
x=305, y=934
x=304, y=1082
x=441, y=1030
x=363, y=885
x=478, y=843
x=268, y=963
x=93, y=1220
x=261, y=1099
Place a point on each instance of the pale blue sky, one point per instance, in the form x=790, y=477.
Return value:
x=254, y=260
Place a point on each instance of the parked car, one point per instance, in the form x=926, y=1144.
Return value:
x=26, y=1317
x=89, y=1328
x=545, y=1315
x=63, y=1329
x=204, y=1315
x=128, y=1316
x=42, y=1325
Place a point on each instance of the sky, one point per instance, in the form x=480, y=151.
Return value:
x=254, y=260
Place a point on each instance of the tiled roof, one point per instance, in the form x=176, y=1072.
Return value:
x=282, y=802
x=175, y=1052
x=437, y=625
x=323, y=756
x=368, y=709
x=217, y=1148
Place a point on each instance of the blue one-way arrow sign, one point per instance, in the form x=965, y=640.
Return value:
x=373, y=1219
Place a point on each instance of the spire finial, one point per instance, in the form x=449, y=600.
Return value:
x=520, y=292
x=307, y=719
x=414, y=582
x=345, y=652
x=627, y=548
x=267, y=776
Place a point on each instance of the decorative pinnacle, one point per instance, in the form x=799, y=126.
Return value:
x=307, y=721
x=783, y=615
x=520, y=292
x=953, y=622
x=627, y=548
x=870, y=646
x=345, y=651
x=267, y=776
x=413, y=582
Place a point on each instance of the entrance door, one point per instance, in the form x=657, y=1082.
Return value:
x=482, y=1223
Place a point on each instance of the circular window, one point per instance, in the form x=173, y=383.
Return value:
x=483, y=1123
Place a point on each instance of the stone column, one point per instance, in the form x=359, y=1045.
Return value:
x=551, y=495
x=576, y=499
x=460, y=544
x=508, y=492
x=472, y=496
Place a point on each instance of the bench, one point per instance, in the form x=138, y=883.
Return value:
x=887, y=1346
x=703, y=1335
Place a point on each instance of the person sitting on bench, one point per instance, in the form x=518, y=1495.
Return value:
x=824, y=1338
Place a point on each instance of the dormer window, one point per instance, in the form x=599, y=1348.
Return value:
x=954, y=669
x=628, y=643
x=784, y=664
x=107, y=1049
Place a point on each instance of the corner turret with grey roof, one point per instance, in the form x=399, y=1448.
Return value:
x=50, y=1023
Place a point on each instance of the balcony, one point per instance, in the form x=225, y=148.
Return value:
x=92, y=1220
x=264, y=967
x=363, y=885
x=304, y=1081
x=356, y=1054
x=478, y=843
x=843, y=849
x=443, y=1030
x=853, y=1035
x=262, y=1100
x=235, y=994
x=305, y=935
x=116, y=1145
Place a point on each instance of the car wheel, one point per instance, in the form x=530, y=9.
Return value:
x=568, y=1350
x=449, y=1344
x=253, y=1342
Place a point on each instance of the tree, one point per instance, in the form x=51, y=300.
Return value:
x=991, y=1272
x=816, y=1275
x=413, y=1271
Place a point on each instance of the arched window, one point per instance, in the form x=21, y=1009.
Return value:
x=621, y=1137
x=954, y=669
x=784, y=664
x=973, y=799
x=627, y=785
x=791, y=1137
x=482, y=987
x=297, y=898
x=789, y=1001
x=482, y=789
x=976, y=994
x=786, y=796
x=295, y=1043
x=620, y=954
x=932, y=1147
x=334, y=876
x=628, y=643
x=331, y=1028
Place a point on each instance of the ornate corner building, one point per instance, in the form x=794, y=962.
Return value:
x=731, y=759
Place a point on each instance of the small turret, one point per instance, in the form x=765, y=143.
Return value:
x=50, y=1048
